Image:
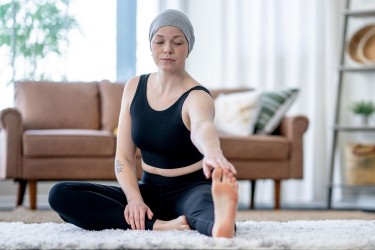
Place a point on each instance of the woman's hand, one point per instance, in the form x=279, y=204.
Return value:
x=135, y=213
x=216, y=159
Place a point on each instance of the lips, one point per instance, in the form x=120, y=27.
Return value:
x=167, y=59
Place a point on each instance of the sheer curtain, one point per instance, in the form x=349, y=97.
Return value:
x=270, y=44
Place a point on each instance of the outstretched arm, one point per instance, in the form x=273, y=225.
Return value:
x=201, y=112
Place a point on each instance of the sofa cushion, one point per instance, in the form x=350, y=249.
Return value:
x=51, y=105
x=68, y=142
x=255, y=147
x=111, y=95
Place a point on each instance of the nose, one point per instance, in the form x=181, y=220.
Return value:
x=168, y=48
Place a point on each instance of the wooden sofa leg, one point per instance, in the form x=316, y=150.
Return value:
x=21, y=191
x=277, y=193
x=252, y=194
x=32, y=194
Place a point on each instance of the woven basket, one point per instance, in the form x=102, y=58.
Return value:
x=360, y=164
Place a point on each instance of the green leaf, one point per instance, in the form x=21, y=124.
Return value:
x=365, y=108
x=40, y=29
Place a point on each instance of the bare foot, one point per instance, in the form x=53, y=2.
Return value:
x=180, y=223
x=225, y=195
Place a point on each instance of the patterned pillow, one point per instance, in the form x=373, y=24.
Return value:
x=274, y=105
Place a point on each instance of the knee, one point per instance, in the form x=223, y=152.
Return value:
x=200, y=213
x=56, y=195
x=205, y=196
x=203, y=201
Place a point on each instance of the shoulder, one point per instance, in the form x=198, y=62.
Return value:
x=199, y=106
x=200, y=92
x=130, y=89
x=199, y=99
x=132, y=83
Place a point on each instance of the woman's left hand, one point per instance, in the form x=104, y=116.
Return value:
x=216, y=159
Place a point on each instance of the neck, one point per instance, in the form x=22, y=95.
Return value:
x=167, y=81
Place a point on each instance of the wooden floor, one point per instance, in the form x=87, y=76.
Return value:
x=28, y=216
x=288, y=215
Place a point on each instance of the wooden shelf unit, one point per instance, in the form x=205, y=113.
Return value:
x=341, y=70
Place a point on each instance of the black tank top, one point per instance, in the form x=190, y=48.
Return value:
x=162, y=136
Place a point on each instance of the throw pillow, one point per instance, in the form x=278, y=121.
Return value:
x=274, y=105
x=235, y=112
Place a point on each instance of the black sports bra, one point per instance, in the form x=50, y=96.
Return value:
x=162, y=136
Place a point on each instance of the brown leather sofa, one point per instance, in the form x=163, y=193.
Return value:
x=64, y=131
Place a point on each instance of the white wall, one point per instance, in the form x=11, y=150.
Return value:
x=211, y=63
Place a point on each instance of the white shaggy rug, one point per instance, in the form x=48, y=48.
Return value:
x=325, y=234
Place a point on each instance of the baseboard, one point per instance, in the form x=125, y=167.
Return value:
x=9, y=202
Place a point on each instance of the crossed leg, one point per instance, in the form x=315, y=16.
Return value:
x=209, y=209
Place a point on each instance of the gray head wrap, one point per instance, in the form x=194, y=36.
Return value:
x=173, y=18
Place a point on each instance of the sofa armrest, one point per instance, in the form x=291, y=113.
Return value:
x=293, y=128
x=11, y=129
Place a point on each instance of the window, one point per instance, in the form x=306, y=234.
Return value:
x=146, y=11
x=91, y=53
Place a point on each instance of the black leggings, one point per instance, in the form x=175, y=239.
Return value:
x=97, y=207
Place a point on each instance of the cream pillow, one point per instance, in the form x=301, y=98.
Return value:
x=236, y=112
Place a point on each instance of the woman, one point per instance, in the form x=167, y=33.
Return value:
x=187, y=183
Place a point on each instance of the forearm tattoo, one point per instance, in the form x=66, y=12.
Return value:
x=119, y=167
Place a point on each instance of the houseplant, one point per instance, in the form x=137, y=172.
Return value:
x=363, y=108
x=30, y=32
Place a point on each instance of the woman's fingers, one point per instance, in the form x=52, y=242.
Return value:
x=129, y=217
x=142, y=218
x=135, y=216
x=137, y=220
x=232, y=168
x=126, y=213
x=207, y=170
x=223, y=163
x=150, y=214
x=132, y=224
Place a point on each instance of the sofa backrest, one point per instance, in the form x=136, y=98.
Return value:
x=110, y=100
x=53, y=105
x=216, y=92
x=76, y=105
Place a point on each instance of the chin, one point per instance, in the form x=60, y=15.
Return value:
x=168, y=69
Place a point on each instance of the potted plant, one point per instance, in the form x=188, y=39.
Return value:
x=31, y=31
x=363, y=108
